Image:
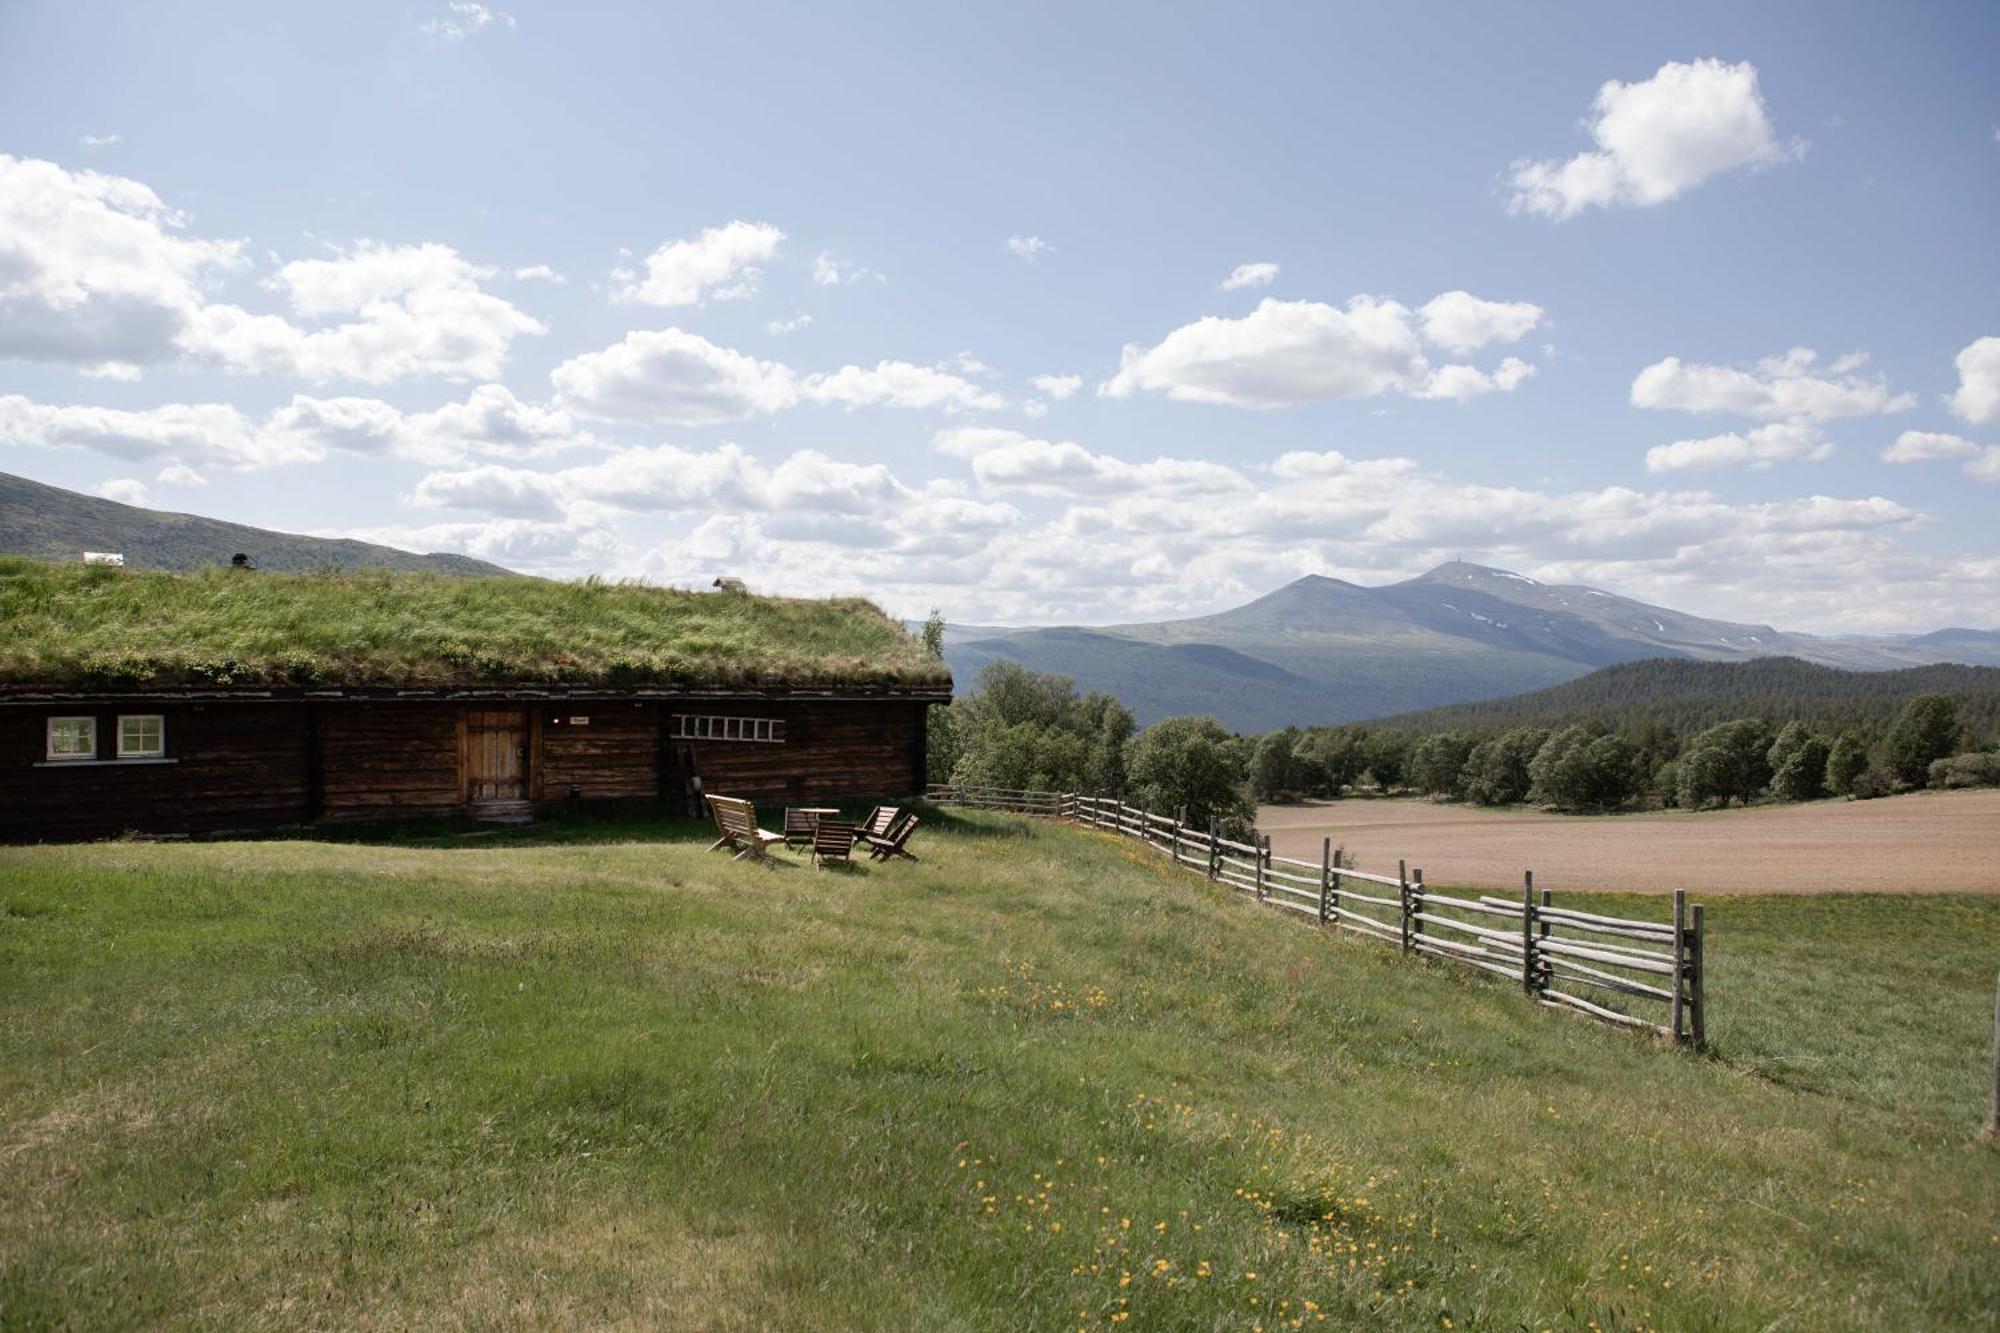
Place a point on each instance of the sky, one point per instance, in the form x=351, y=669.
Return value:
x=1033, y=313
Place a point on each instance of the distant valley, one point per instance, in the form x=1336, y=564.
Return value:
x=1323, y=650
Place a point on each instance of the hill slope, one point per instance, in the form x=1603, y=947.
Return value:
x=51, y=523
x=1322, y=650
x=1690, y=695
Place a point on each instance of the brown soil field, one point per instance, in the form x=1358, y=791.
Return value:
x=1925, y=842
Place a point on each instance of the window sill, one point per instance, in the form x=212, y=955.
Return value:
x=103, y=763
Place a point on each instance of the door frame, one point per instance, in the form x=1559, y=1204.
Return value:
x=530, y=769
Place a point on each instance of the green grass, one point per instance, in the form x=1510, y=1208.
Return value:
x=591, y=1074
x=115, y=629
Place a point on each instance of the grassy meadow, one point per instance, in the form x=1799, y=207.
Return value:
x=590, y=1074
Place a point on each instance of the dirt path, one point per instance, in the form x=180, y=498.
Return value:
x=1927, y=842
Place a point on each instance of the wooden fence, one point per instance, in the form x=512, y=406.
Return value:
x=1551, y=952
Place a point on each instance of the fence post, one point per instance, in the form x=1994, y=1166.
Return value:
x=1339, y=855
x=1699, y=1028
x=1990, y=1134
x=1528, y=932
x=1680, y=960
x=1325, y=876
x=1403, y=896
x=1416, y=905
x=1214, y=848
x=1262, y=856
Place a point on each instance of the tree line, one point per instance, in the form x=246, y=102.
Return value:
x=1029, y=730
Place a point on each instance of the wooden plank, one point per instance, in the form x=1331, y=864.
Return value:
x=1599, y=1011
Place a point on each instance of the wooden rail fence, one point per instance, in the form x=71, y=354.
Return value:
x=1551, y=952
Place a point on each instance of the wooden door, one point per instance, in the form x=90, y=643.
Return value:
x=496, y=754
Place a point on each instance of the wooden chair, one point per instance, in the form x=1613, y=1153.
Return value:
x=880, y=820
x=894, y=843
x=833, y=840
x=799, y=823
x=736, y=821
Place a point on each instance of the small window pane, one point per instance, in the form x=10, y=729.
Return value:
x=142, y=736
x=777, y=731
x=72, y=738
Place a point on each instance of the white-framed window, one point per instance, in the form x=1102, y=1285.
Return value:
x=72, y=739
x=142, y=736
x=697, y=727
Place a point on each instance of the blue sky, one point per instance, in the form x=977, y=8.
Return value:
x=767, y=290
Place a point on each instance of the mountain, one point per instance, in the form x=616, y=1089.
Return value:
x=1690, y=696
x=54, y=524
x=1325, y=650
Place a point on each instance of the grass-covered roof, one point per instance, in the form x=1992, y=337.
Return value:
x=93, y=628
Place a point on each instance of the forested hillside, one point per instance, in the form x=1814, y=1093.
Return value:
x=1689, y=696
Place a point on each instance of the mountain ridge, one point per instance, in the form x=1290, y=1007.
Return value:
x=51, y=523
x=1453, y=634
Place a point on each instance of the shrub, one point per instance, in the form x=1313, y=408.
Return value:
x=1725, y=762
x=1191, y=762
x=1979, y=769
x=1873, y=783
x=1802, y=774
x=1438, y=761
x=1845, y=762
x=1496, y=773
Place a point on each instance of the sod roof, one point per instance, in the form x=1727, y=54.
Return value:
x=90, y=628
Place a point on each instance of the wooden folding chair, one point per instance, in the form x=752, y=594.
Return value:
x=880, y=820
x=833, y=840
x=799, y=822
x=894, y=843
x=736, y=822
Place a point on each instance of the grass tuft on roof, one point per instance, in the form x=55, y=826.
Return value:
x=98, y=628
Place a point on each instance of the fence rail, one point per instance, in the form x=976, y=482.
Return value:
x=1555, y=954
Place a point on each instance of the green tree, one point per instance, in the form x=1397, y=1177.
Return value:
x=1801, y=774
x=934, y=634
x=1189, y=762
x=1438, y=763
x=1846, y=761
x=941, y=743
x=1026, y=729
x=1926, y=730
x=1276, y=772
x=1730, y=761
x=1340, y=754
x=1496, y=773
x=1789, y=740
x=1388, y=758
x=1575, y=770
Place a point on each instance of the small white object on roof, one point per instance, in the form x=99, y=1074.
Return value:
x=116, y=558
x=728, y=584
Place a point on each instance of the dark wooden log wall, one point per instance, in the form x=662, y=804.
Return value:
x=235, y=766
x=254, y=765
x=832, y=748
x=389, y=760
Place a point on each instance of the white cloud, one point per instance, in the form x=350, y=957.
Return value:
x=125, y=490
x=671, y=376
x=778, y=328
x=830, y=270
x=1761, y=448
x=1058, y=387
x=1461, y=322
x=899, y=384
x=1981, y=462
x=1027, y=247
x=1657, y=139
x=180, y=474
x=96, y=269
x=490, y=421
x=722, y=263
x=101, y=140
x=1978, y=397
x=1776, y=388
x=539, y=273
x=1006, y=460
x=1287, y=352
x=1918, y=446
x=98, y=273
x=1258, y=274
x=211, y=433
x=463, y=19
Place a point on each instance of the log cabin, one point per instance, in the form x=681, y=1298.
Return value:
x=235, y=700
